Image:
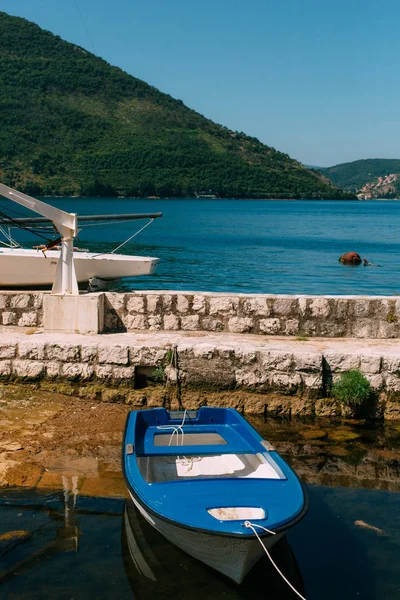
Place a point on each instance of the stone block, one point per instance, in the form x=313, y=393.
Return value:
x=392, y=383
x=77, y=371
x=311, y=381
x=62, y=352
x=285, y=382
x=28, y=319
x=154, y=322
x=88, y=352
x=270, y=326
x=203, y=351
x=226, y=352
x=136, y=322
x=276, y=360
x=135, y=304
x=190, y=323
x=302, y=304
x=182, y=304
x=246, y=355
x=256, y=306
x=376, y=381
x=167, y=302
x=361, y=308
x=363, y=328
x=171, y=323
x=53, y=369
x=103, y=371
x=340, y=363
x=370, y=364
x=116, y=355
x=308, y=361
x=3, y=300
x=250, y=378
x=28, y=369
x=8, y=350
x=240, y=324
x=391, y=364
x=283, y=306
x=320, y=307
x=208, y=324
x=227, y=305
x=387, y=330
x=291, y=327
x=9, y=318
x=150, y=356
x=116, y=300
x=31, y=350
x=38, y=301
x=123, y=373
x=5, y=368
x=152, y=302
x=19, y=301
x=199, y=305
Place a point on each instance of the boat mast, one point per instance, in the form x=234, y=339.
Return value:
x=66, y=224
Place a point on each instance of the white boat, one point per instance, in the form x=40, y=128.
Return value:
x=57, y=263
x=29, y=268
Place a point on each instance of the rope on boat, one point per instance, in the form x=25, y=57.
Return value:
x=252, y=526
x=126, y=241
x=177, y=429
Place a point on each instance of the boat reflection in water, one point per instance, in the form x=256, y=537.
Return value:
x=156, y=568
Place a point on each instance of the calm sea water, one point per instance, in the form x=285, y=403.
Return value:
x=347, y=547
x=255, y=246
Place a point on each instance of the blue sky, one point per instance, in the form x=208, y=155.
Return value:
x=317, y=79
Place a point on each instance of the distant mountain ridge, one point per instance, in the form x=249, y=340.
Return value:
x=71, y=124
x=371, y=178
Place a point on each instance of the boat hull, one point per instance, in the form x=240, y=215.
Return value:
x=231, y=556
x=20, y=268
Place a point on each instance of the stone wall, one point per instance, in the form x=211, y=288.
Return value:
x=202, y=367
x=23, y=309
x=310, y=316
x=283, y=315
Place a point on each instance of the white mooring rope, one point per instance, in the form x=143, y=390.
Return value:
x=252, y=526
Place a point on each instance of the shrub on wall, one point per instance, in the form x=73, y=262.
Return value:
x=353, y=390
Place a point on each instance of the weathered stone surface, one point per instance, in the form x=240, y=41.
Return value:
x=125, y=373
x=5, y=368
x=3, y=301
x=171, y=322
x=117, y=355
x=152, y=302
x=103, y=371
x=28, y=319
x=392, y=383
x=199, y=305
x=224, y=304
x=287, y=383
x=284, y=306
x=203, y=351
x=77, y=371
x=208, y=324
x=146, y=356
x=308, y=361
x=256, y=307
x=28, y=369
x=251, y=378
x=240, y=324
x=8, y=350
x=19, y=301
x=135, y=304
x=182, y=304
x=31, y=350
x=338, y=362
x=276, y=360
x=319, y=307
x=376, y=381
x=88, y=352
x=370, y=364
x=154, y=322
x=270, y=326
x=53, y=369
x=292, y=327
x=9, y=318
x=167, y=302
x=65, y=352
x=190, y=323
x=136, y=322
x=311, y=381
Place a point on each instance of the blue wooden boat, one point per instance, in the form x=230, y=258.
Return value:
x=201, y=478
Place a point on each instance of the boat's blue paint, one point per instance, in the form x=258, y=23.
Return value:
x=186, y=501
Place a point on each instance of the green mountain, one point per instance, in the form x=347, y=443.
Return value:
x=71, y=124
x=355, y=175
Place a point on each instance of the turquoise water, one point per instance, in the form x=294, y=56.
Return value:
x=255, y=246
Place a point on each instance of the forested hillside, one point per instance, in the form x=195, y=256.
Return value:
x=354, y=175
x=71, y=124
